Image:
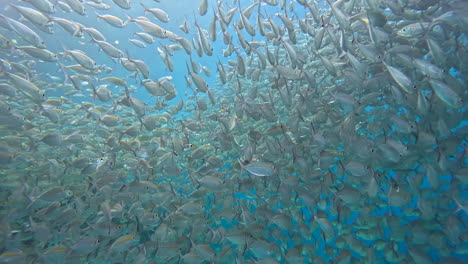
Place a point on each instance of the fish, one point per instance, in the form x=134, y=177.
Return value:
x=150, y=28
x=122, y=243
x=24, y=32
x=112, y=20
x=43, y=5
x=29, y=89
x=401, y=79
x=185, y=26
x=13, y=255
x=109, y=49
x=145, y=37
x=99, y=6
x=138, y=43
x=203, y=7
x=34, y=16
x=124, y=4
x=83, y=59
x=41, y=54
x=261, y=169
x=446, y=94
x=246, y=23
x=201, y=84
x=158, y=13
x=205, y=43
x=52, y=195
x=94, y=33
x=71, y=27
x=413, y=30
x=109, y=120
x=77, y=6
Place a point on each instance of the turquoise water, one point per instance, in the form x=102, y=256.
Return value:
x=308, y=157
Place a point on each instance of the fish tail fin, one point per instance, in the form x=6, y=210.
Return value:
x=91, y=184
x=141, y=122
x=93, y=40
x=62, y=68
x=9, y=7
x=93, y=87
x=98, y=16
x=214, y=12
x=78, y=31
x=98, y=121
x=127, y=93
x=195, y=18
x=3, y=68
x=242, y=166
x=194, y=178
x=172, y=189
x=33, y=143
x=130, y=19
x=138, y=224
x=459, y=207
x=188, y=68
x=65, y=49
x=121, y=134
x=144, y=7
x=31, y=200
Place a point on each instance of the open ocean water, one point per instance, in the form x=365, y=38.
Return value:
x=233, y=131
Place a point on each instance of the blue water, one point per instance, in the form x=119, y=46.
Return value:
x=250, y=195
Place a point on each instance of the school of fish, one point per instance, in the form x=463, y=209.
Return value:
x=331, y=131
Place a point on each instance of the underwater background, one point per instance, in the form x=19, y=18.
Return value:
x=262, y=131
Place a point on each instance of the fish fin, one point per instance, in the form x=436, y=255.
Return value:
x=130, y=19
x=195, y=18
x=172, y=190
x=194, y=178
x=98, y=16
x=144, y=7
x=460, y=207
